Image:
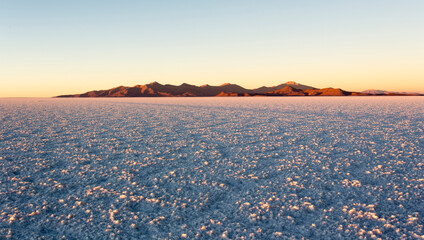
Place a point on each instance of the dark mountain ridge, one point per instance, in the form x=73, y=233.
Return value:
x=156, y=89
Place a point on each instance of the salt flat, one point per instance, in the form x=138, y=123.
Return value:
x=237, y=168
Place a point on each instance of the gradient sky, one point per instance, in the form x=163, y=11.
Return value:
x=49, y=48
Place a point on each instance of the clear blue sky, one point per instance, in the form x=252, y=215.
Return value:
x=56, y=47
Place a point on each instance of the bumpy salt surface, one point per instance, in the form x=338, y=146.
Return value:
x=237, y=168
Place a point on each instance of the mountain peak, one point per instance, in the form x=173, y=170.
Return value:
x=292, y=83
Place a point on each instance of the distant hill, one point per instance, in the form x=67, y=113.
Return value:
x=288, y=91
x=383, y=92
x=292, y=84
x=375, y=92
x=156, y=89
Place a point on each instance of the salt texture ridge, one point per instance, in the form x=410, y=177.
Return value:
x=236, y=168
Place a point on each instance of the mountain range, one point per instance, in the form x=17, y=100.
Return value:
x=156, y=89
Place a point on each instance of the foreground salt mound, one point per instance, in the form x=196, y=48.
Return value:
x=233, y=168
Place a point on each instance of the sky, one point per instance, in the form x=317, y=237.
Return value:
x=50, y=47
